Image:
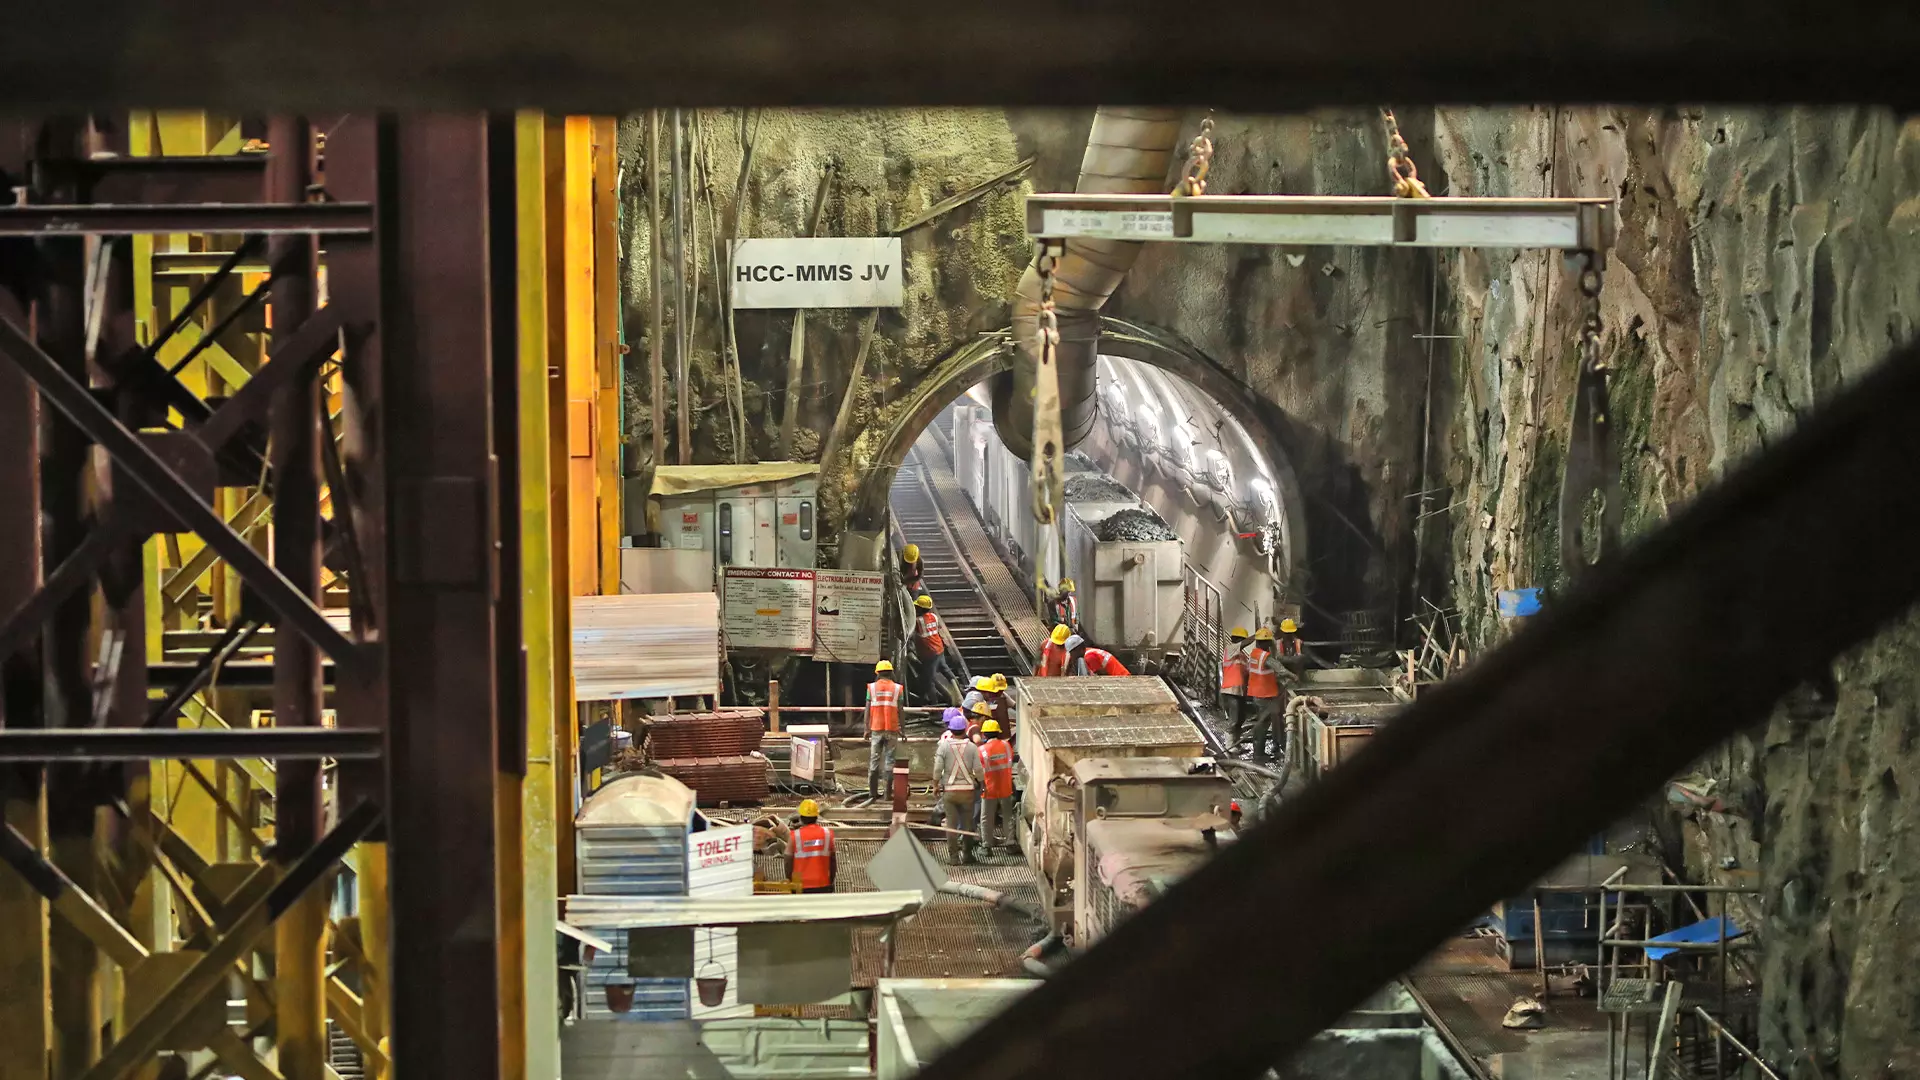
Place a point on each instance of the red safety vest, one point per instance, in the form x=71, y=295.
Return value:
x=1053, y=660
x=1102, y=662
x=883, y=705
x=1233, y=670
x=1262, y=682
x=1067, y=610
x=930, y=639
x=998, y=759
x=813, y=855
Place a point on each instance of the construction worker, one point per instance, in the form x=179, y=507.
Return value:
x=956, y=769
x=935, y=667
x=996, y=762
x=883, y=726
x=976, y=694
x=1263, y=686
x=1063, y=607
x=1091, y=661
x=910, y=567
x=811, y=856
x=1233, y=681
x=1053, y=656
x=998, y=701
x=1287, y=646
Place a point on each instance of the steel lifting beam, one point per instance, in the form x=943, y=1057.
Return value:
x=65, y=393
x=1650, y=660
x=186, y=744
x=336, y=218
x=1365, y=221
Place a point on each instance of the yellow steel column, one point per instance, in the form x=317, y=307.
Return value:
x=561, y=500
x=582, y=376
x=543, y=576
x=26, y=1022
x=606, y=341
x=375, y=934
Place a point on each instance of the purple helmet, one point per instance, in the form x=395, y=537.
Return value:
x=956, y=720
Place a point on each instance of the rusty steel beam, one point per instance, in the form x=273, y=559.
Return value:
x=441, y=593
x=162, y=180
x=336, y=218
x=1491, y=778
x=69, y=396
x=602, y=55
x=181, y=744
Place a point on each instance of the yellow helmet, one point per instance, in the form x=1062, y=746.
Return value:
x=981, y=708
x=997, y=684
x=1059, y=636
x=1066, y=583
x=923, y=602
x=1288, y=626
x=884, y=665
x=809, y=808
x=911, y=553
x=991, y=727
x=1239, y=632
x=981, y=682
x=1263, y=634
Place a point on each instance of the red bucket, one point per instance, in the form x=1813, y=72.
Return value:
x=620, y=997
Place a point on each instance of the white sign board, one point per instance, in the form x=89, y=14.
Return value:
x=764, y=608
x=846, y=615
x=817, y=272
x=719, y=863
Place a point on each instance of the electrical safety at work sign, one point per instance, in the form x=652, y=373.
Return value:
x=834, y=614
x=817, y=272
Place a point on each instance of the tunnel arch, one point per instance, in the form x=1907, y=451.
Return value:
x=885, y=446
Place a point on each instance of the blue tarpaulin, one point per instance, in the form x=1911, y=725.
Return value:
x=1703, y=932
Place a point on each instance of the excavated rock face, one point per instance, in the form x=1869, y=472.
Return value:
x=1764, y=259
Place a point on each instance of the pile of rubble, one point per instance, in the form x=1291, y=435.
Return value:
x=1136, y=525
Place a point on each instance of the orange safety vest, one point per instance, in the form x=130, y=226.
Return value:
x=998, y=759
x=883, y=705
x=1262, y=682
x=813, y=855
x=1067, y=610
x=1102, y=662
x=930, y=639
x=1233, y=670
x=1053, y=660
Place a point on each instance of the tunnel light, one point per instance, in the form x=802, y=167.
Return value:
x=1221, y=470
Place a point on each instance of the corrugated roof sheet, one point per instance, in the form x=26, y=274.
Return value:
x=638, y=912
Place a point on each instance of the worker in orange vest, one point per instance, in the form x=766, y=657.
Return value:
x=1090, y=661
x=910, y=567
x=935, y=667
x=1288, y=647
x=1263, y=686
x=996, y=757
x=1053, y=657
x=811, y=856
x=1233, y=681
x=1064, y=606
x=883, y=725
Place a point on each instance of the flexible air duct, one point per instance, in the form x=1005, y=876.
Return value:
x=1129, y=152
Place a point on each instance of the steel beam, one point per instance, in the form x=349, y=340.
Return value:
x=234, y=675
x=336, y=218
x=600, y=54
x=441, y=588
x=67, y=394
x=1647, y=663
x=186, y=744
x=1348, y=221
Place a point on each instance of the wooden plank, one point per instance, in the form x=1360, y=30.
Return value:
x=650, y=645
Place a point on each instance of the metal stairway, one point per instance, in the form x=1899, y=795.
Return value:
x=971, y=622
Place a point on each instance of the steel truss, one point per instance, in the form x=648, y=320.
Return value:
x=418, y=335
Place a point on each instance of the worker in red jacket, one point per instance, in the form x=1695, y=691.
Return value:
x=1091, y=661
x=811, y=858
x=1263, y=686
x=936, y=667
x=1053, y=657
x=996, y=757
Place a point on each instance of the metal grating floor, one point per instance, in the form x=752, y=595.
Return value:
x=1094, y=691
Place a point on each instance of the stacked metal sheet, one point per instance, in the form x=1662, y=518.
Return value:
x=731, y=779
x=716, y=754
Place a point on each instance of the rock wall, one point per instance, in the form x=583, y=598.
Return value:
x=1758, y=268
